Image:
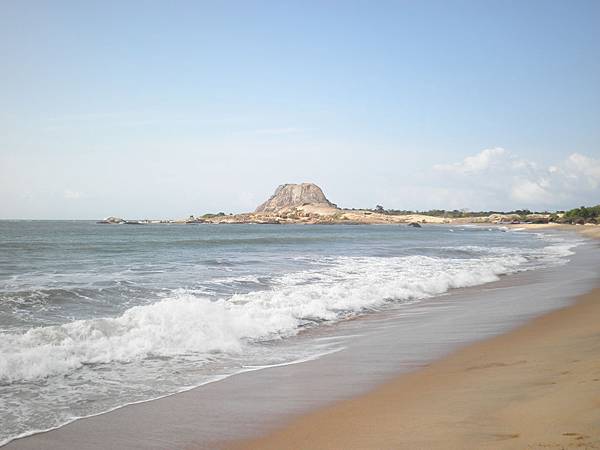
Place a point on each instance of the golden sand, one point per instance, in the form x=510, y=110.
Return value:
x=537, y=387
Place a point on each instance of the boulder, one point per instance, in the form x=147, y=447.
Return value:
x=295, y=195
x=112, y=220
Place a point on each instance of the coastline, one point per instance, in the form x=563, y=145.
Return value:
x=249, y=405
x=534, y=387
x=589, y=231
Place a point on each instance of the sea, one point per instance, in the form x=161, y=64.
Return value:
x=94, y=317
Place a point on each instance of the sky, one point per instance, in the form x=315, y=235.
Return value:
x=165, y=109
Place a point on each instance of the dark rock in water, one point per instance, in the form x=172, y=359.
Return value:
x=414, y=224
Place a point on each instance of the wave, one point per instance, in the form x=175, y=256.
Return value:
x=244, y=369
x=188, y=325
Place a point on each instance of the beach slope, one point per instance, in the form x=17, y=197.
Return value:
x=536, y=387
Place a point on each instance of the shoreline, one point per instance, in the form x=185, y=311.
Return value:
x=536, y=386
x=589, y=231
x=175, y=420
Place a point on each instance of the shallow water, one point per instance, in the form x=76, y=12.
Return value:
x=96, y=316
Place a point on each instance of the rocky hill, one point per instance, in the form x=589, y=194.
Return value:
x=306, y=203
x=289, y=196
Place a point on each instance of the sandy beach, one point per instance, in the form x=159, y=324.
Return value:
x=426, y=375
x=536, y=387
x=590, y=231
x=299, y=225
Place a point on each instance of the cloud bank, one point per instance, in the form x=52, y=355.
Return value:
x=501, y=174
x=72, y=195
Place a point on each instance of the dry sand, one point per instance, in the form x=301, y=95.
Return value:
x=535, y=388
x=591, y=231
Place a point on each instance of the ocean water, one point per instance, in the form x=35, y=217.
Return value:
x=93, y=317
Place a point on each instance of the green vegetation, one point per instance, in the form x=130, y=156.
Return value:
x=210, y=216
x=451, y=214
x=583, y=214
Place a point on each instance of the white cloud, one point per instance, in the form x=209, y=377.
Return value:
x=72, y=195
x=582, y=169
x=477, y=163
x=500, y=174
x=531, y=192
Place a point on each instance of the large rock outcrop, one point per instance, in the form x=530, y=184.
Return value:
x=112, y=220
x=295, y=195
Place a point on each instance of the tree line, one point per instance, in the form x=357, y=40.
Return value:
x=583, y=214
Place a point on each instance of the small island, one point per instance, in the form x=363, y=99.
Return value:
x=305, y=203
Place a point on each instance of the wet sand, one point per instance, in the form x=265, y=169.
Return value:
x=536, y=387
x=357, y=397
x=590, y=231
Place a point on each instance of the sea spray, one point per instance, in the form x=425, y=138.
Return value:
x=187, y=324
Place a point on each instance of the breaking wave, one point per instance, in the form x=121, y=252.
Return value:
x=188, y=325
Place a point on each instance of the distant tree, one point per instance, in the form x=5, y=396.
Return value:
x=582, y=214
x=379, y=209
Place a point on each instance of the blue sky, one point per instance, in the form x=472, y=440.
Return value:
x=164, y=109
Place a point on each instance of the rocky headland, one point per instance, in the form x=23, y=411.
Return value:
x=306, y=203
x=289, y=196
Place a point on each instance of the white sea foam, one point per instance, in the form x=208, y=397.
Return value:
x=155, y=340
x=186, y=324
